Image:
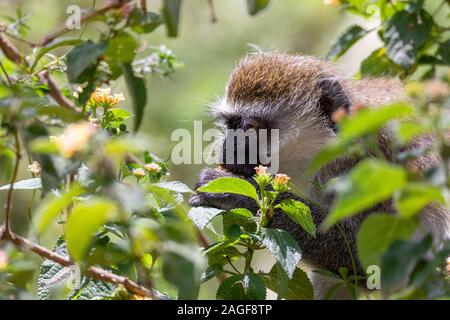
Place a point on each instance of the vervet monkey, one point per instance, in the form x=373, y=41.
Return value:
x=298, y=95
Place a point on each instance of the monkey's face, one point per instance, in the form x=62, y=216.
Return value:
x=292, y=94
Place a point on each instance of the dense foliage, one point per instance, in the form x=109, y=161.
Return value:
x=125, y=229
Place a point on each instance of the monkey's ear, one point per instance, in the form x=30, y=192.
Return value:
x=331, y=98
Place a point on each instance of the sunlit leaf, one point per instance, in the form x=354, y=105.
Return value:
x=29, y=184
x=414, y=197
x=84, y=219
x=378, y=232
x=346, y=41
x=298, y=288
x=230, y=185
x=299, y=213
x=370, y=182
x=201, y=216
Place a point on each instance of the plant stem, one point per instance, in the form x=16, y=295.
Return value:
x=7, y=221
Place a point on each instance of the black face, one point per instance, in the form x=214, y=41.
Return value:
x=241, y=147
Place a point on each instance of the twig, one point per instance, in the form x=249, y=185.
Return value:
x=212, y=12
x=7, y=218
x=94, y=272
x=8, y=79
x=63, y=29
x=144, y=6
x=55, y=93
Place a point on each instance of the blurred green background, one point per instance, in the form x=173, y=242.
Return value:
x=209, y=52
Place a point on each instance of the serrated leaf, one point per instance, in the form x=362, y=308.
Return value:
x=138, y=93
x=175, y=186
x=405, y=34
x=201, y=216
x=298, y=288
x=346, y=41
x=51, y=273
x=230, y=185
x=249, y=286
x=299, y=213
x=241, y=217
x=378, y=64
x=81, y=57
x=84, y=220
x=364, y=187
x=255, y=6
x=28, y=184
x=284, y=247
x=378, y=232
x=91, y=289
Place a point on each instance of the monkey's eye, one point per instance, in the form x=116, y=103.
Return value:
x=234, y=122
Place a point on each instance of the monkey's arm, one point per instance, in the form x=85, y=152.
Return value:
x=327, y=250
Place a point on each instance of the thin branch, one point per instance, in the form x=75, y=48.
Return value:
x=55, y=93
x=212, y=12
x=8, y=79
x=144, y=6
x=7, y=218
x=63, y=29
x=94, y=272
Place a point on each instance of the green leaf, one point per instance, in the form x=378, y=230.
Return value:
x=183, y=267
x=298, y=288
x=52, y=205
x=327, y=154
x=378, y=232
x=138, y=93
x=28, y=184
x=284, y=247
x=219, y=257
x=65, y=114
x=255, y=6
x=201, y=216
x=346, y=41
x=83, y=222
x=443, y=52
x=414, y=197
x=81, y=57
x=370, y=182
x=368, y=120
x=175, y=186
x=400, y=260
x=240, y=217
x=249, y=286
x=230, y=185
x=405, y=34
x=378, y=64
x=171, y=12
x=59, y=42
x=299, y=213
x=146, y=23
x=52, y=274
x=91, y=289
x=122, y=48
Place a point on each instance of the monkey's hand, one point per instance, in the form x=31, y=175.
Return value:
x=225, y=201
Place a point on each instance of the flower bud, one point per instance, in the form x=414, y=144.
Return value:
x=280, y=183
x=152, y=167
x=138, y=173
x=34, y=168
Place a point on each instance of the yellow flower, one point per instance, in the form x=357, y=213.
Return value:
x=74, y=138
x=3, y=259
x=102, y=97
x=152, y=167
x=34, y=168
x=138, y=173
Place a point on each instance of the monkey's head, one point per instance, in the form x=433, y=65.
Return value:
x=295, y=94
